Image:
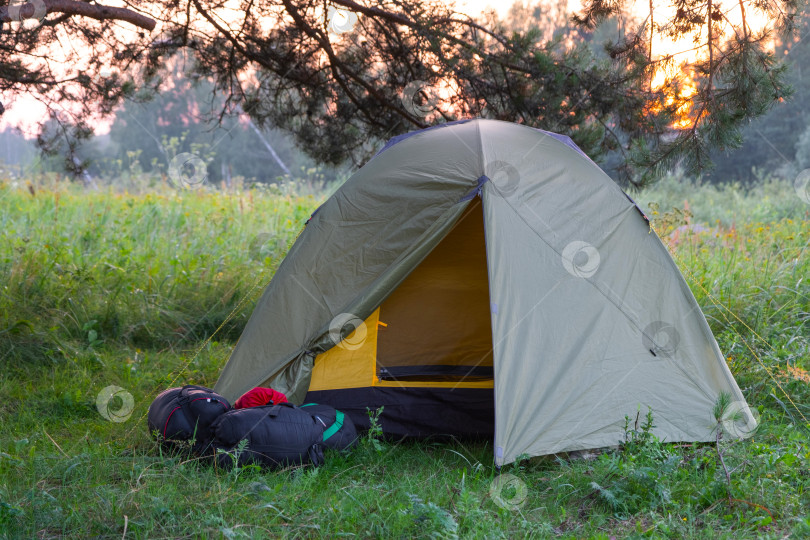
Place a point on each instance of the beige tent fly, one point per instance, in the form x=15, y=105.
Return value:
x=486, y=278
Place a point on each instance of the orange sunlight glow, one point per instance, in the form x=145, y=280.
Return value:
x=677, y=55
x=685, y=118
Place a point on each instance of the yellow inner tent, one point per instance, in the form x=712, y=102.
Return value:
x=434, y=330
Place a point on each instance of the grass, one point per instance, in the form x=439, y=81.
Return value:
x=153, y=270
x=123, y=289
x=767, y=201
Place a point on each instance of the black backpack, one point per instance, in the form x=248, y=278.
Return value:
x=181, y=418
x=339, y=431
x=275, y=435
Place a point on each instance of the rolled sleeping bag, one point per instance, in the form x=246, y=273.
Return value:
x=276, y=436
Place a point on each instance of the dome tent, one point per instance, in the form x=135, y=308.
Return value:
x=483, y=277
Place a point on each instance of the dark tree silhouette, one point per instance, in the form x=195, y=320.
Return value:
x=342, y=75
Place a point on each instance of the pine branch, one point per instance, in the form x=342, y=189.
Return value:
x=82, y=9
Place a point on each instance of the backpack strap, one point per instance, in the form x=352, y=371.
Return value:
x=184, y=401
x=334, y=428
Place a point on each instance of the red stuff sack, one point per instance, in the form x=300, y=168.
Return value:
x=259, y=397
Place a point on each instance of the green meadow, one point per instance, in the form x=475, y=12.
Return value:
x=150, y=288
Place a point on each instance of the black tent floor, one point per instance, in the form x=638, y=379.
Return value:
x=416, y=412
